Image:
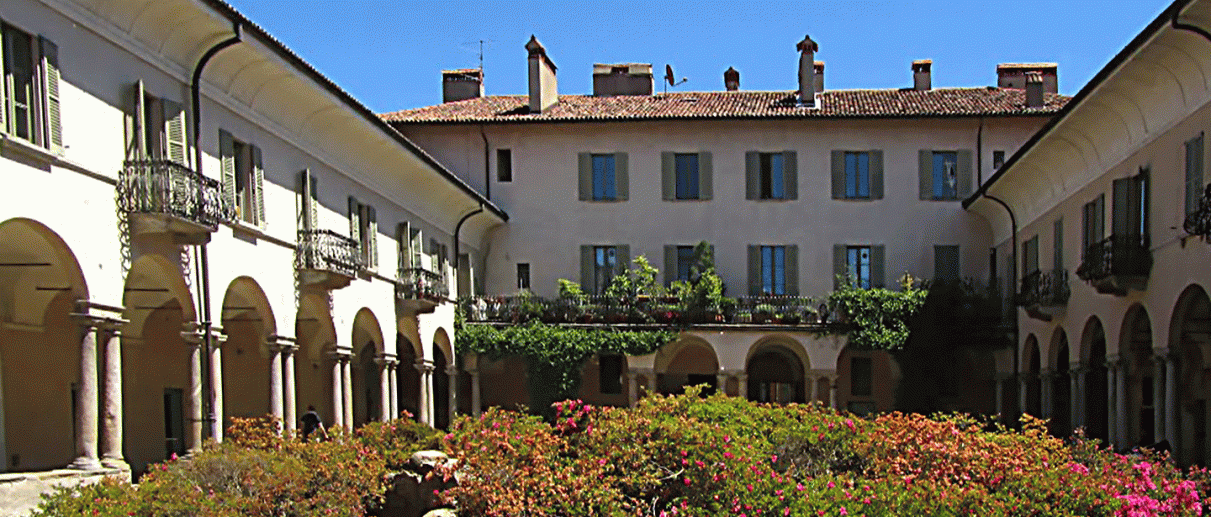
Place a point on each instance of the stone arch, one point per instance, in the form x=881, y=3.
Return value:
x=248, y=322
x=688, y=361
x=1093, y=353
x=443, y=348
x=366, y=330
x=1031, y=365
x=407, y=377
x=777, y=370
x=1190, y=341
x=1061, y=383
x=316, y=337
x=154, y=282
x=40, y=284
x=443, y=357
x=368, y=348
x=1135, y=348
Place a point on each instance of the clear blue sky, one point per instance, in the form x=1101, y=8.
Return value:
x=390, y=54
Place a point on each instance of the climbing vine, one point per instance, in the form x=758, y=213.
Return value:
x=878, y=318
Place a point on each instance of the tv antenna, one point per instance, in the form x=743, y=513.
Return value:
x=670, y=79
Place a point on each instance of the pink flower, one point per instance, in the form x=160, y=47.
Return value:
x=843, y=512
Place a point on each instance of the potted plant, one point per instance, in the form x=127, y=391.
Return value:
x=744, y=316
x=763, y=313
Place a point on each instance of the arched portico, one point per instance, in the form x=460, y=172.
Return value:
x=1189, y=370
x=444, y=380
x=365, y=375
x=1135, y=341
x=777, y=371
x=1032, y=393
x=249, y=353
x=1061, y=384
x=689, y=361
x=1097, y=393
x=315, y=335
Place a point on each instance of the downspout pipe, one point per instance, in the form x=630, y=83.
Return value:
x=458, y=230
x=203, y=262
x=1013, y=286
x=487, y=170
x=1187, y=27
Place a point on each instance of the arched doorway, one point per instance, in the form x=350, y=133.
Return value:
x=777, y=370
x=442, y=358
x=406, y=376
x=1136, y=342
x=1191, y=333
x=40, y=281
x=1061, y=385
x=158, y=404
x=367, y=347
x=1093, y=352
x=247, y=321
x=1034, y=395
x=689, y=361
x=316, y=337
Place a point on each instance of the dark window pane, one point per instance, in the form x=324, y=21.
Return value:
x=610, y=374
x=604, y=188
x=945, y=179
x=523, y=276
x=685, y=262
x=504, y=165
x=687, y=175
x=861, y=376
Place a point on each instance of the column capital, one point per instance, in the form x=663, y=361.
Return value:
x=452, y=370
x=641, y=371
x=96, y=315
x=1048, y=374
x=387, y=360
x=1164, y=355
x=341, y=354
x=1114, y=361
x=279, y=343
x=423, y=366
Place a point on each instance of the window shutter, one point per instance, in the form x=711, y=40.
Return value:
x=754, y=270
x=621, y=177
x=1099, y=219
x=227, y=156
x=3, y=90
x=1121, y=210
x=304, y=217
x=838, y=174
x=586, y=270
x=402, y=241
x=840, y=267
x=258, y=185
x=668, y=176
x=174, y=132
x=1057, y=247
x=925, y=174
x=585, y=162
x=313, y=214
x=876, y=174
x=50, y=76
x=355, y=227
x=790, y=174
x=134, y=123
x=963, y=184
x=670, y=264
x=415, y=248
x=1194, y=173
x=791, y=267
x=752, y=171
x=372, y=241
x=706, y=175
x=877, y=273
x=623, y=252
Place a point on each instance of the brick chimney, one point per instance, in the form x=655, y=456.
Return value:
x=462, y=84
x=818, y=70
x=1013, y=75
x=922, y=75
x=622, y=79
x=731, y=79
x=1034, y=90
x=543, y=91
x=807, y=71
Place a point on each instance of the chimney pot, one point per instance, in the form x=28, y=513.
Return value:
x=818, y=71
x=622, y=79
x=543, y=89
x=1013, y=75
x=922, y=75
x=1034, y=90
x=731, y=79
x=462, y=84
x=807, y=71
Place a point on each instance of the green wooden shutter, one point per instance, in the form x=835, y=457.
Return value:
x=372, y=240
x=3, y=90
x=840, y=267
x=752, y=173
x=623, y=253
x=175, y=132
x=355, y=226
x=791, y=266
x=258, y=185
x=964, y=182
x=925, y=174
x=1121, y=209
x=838, y=174
x=706, y=175
x=668, y=175
x=304, y=217
x=134, y=123
x=227, y=157
x=416, y=248
x=585, y=163
x=670, y=264
x=586, y=270
x=52, y=106
x=876, y=174
x=313, y=214
x=402, y=240
x=754, y=270
x=1194, y=173
x=877, y=273
x=622, y=177
x=1057, y=246
x=1099, y=220
x=790, y=171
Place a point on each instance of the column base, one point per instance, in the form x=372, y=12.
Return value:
x=83, y=463
x=115, y=463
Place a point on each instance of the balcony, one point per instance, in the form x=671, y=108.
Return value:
x=1117, y=264
x=164, y=197
x=643, y=311
x=328, y=259
x=1198, y=223
x=1044, y=291
x=420, y=290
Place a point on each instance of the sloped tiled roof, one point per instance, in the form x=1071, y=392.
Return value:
x=895, y=103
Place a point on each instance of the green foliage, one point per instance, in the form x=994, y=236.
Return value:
x=640, y=280
x=879, y=318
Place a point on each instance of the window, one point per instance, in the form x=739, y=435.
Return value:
x=159, y=129
x=504, y=165
x=998, y=159
x=1130, y=224
x=1093, y=222
x=243, y=178
x=861, y=376
x=860, y=264
x=773, y=270
x=599, y=264
x=857, y=175
x=604, y=187
x=523, y=276
x=603, y=177
x=1194, y=173
x=609, y=369
x=686, y=167
x=1057, y=245
x=946, y=263
x=1030, y=256
x=771, y=175
x=945, y=175
x=857, y=265
x=685, y=262
x=363, y=229
x=29, y=88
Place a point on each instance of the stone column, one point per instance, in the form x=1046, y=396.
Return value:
x=632, y=387
x=452, y=384
x=813, y=385
x=111, y=417
x=742, y=385
x=338, y=390
x=384, y=386
x=1172, y=433
x=1000, y=401
x=832, y=391
x=87, y=397
x=394, y=382
x=276, y=396
x=1122, y=404
x=475, y=400
x=1046, y=381
x=1112, y=374
x=193, y=396
x=1023, y=392
x=651, y=376
x=1158, y=397
x=347, y=389
x=1077, y=393
x=721, y=380
x=217, y=338
x=423, y=407
x=291, y=400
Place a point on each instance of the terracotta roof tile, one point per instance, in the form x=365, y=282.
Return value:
x=899, y=103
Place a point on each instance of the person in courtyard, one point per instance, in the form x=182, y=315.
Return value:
x=311, y=423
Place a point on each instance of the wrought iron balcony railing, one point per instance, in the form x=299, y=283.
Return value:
x=1044, y=289
x=1198, y=223
x=169, y=188
x=1119, y=256
x=326, y=250
x=421, y=284
x=652, y=310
